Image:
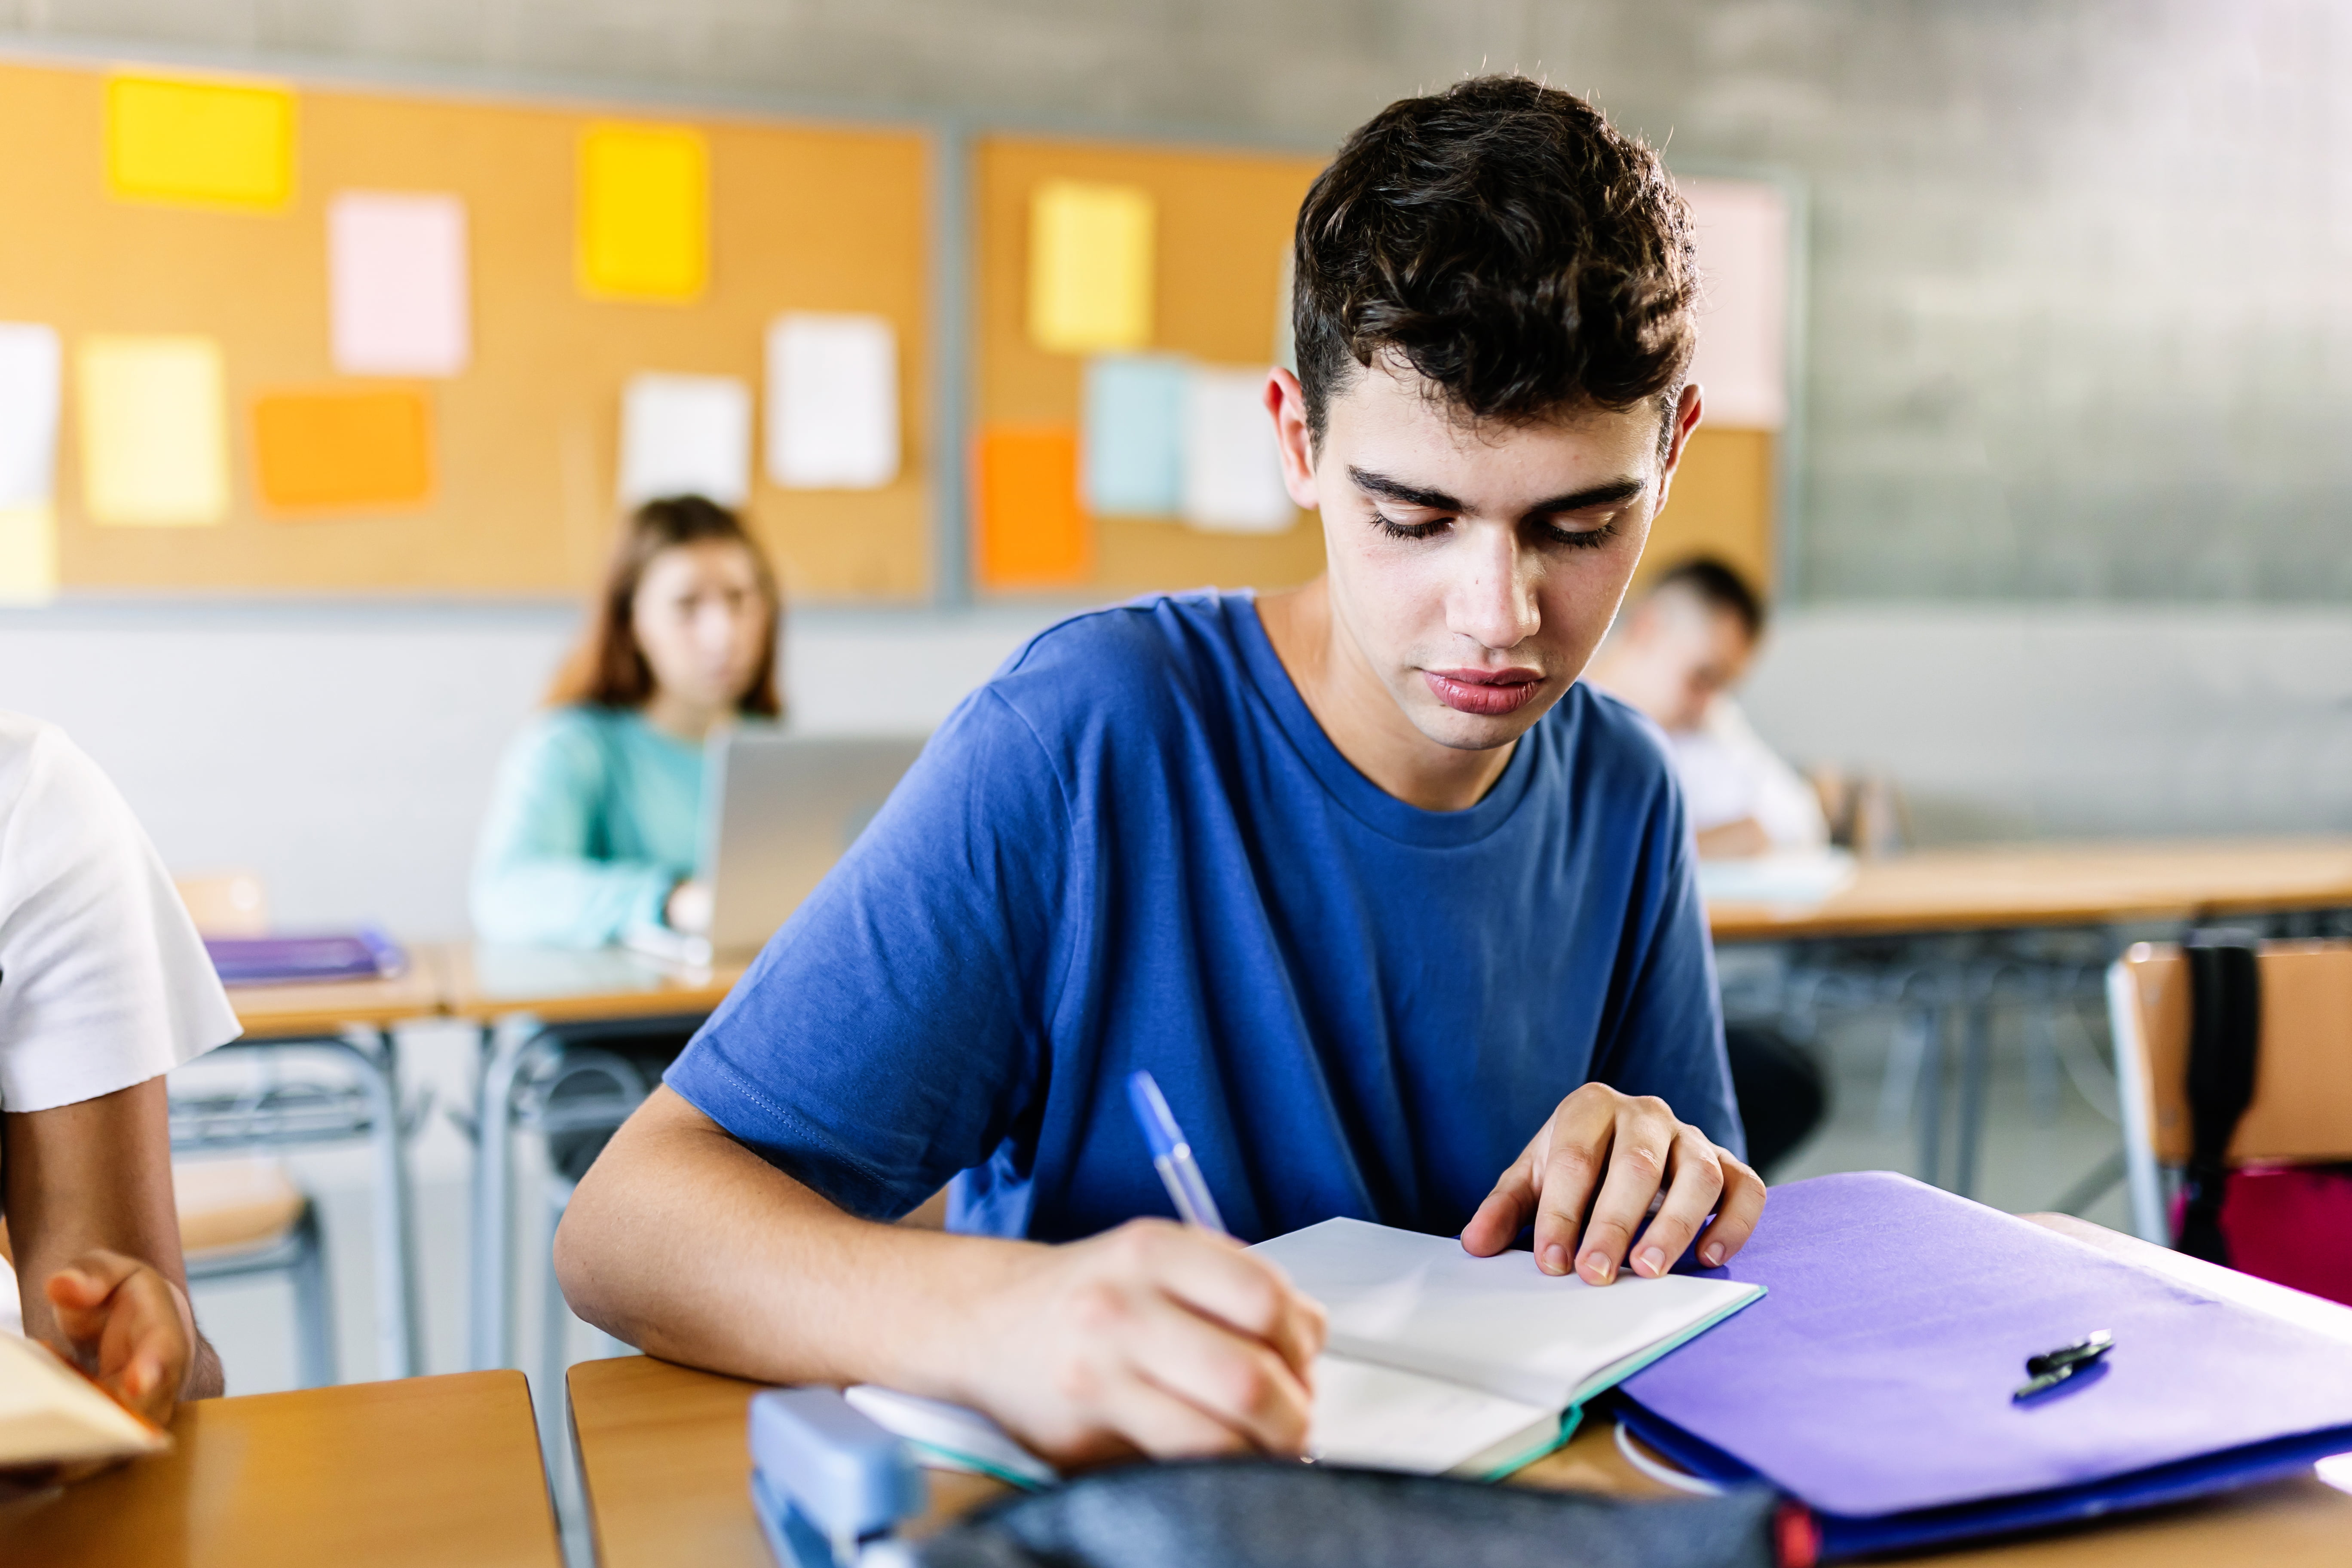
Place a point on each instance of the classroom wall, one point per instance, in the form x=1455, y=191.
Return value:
x=2077, y=322
x=347, y=756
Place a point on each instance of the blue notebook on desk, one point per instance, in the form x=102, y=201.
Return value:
x=1874, y=1381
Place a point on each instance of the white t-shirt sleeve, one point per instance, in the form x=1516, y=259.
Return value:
x=103, y=981
x=1783, y=803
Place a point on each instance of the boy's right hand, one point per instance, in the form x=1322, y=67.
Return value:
x=1153, y=1339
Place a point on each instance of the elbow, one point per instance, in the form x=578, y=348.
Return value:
x=583, y=1251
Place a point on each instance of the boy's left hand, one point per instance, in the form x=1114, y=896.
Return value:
x=1614, y=1153
x=129, y=1327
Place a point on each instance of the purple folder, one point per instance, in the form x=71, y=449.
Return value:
x=365, y=955
x=1873, y=1381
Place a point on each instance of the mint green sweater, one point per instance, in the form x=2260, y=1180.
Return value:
x=596, y=817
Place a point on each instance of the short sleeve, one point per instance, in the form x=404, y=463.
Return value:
x=893, y=1031
x=103, y=981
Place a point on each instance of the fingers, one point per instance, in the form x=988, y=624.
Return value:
x=1641, y=1143
x=1577, y=1157
x=1214, y=1278
x=1696, y=1174
x=1741, y=1206
x=80, y=1292
x=1510, y=1205
x=126, y=1318
x=1252, y=1394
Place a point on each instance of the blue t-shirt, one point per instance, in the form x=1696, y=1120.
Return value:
x=1134, y=847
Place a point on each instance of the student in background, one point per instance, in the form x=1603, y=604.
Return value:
x=104, y=987
x=1677, y=658
x=596, y=819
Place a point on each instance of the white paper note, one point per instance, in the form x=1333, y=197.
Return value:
x=398, y=283
x=833, y=402
x=29, y=414
x=1233, y=469
x=686, y=434
x=1742, y=365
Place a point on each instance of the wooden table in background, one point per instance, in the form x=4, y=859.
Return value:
x=665, y=1469
x=2007, y=886
x=429, y=1471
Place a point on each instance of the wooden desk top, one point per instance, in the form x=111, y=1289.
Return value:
x=667, y=1473
x=559, y=986
x=2000, y=886
x=427, y=1471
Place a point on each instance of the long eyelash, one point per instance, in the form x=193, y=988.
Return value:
x=1396, y=530
x=1585, y=539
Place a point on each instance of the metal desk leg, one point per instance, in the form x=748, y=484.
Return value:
x=399, y=1350
x=1975, y=1067
x=1931, y=1096
x=490, y=1333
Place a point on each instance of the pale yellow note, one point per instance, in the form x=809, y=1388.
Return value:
x=1090, y=267
x=154, y=433
x=28, y=554
x=204, y=143
x=644, y=213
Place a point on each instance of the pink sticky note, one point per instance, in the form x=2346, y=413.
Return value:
x=397, y=266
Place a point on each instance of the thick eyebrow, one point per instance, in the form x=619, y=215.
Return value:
x=1387, y=488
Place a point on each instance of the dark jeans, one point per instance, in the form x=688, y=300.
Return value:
x=1782, y=1092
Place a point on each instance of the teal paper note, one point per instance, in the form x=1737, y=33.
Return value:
x=1132, y=464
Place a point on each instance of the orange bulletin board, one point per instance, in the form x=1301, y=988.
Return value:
x=518, y=478
x=1223, y=221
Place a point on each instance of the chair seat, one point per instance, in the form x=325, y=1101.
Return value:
x=229, y=1206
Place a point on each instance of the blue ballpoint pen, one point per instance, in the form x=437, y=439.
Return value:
x=1171, y=1156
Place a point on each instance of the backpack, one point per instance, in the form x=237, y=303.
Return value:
x=2291, y=1225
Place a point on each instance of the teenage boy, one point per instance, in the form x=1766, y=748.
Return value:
x=1402, y=918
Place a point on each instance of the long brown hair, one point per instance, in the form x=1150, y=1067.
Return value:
x=608, y=668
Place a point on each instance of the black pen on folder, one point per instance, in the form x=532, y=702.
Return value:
x=2052, y=1368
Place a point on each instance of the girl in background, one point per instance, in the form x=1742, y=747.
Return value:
x=596, y=822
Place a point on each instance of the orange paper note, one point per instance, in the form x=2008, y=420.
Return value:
x=344, y=450
x=1033, y=533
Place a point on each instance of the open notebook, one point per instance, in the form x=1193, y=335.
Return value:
x=49, y=1414
x=1438, y=1363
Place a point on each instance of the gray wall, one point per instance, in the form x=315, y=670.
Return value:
x=347, y=756
x=2078, y=321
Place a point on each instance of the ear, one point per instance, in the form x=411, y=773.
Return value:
x=1687, y=409
x=1285, y=404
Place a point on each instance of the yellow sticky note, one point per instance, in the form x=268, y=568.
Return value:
x=1090, y=268
x=28, y=554
x=204, y=143
x=155, y=438
x=645, y=211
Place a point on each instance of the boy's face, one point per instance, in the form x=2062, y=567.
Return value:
x=1474, y=568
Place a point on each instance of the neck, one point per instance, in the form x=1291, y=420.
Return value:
x=1360, y=716
x=678, y=717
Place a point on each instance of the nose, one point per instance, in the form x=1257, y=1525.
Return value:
x=1492, y=600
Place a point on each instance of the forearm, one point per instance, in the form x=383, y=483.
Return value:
x=684, y=1243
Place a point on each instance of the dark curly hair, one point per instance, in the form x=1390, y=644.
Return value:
x=1502, y=241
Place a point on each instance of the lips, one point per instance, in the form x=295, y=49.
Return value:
x=1487, y=692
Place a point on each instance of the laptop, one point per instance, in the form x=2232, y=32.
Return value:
x=777, y=811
